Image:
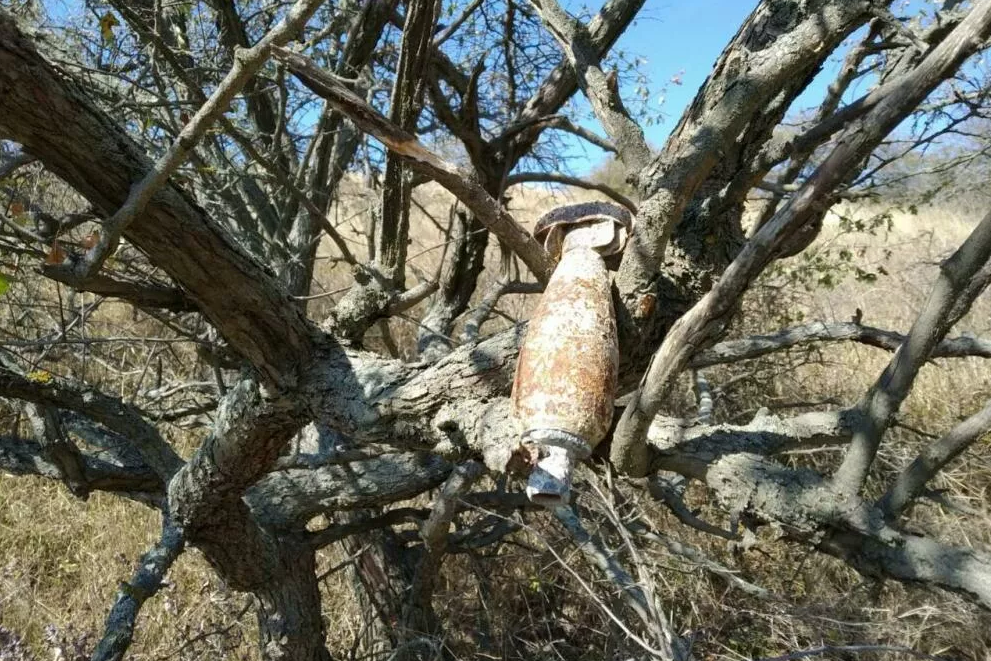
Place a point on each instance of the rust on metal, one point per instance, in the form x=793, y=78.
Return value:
x=567, y=371
x=566, y=375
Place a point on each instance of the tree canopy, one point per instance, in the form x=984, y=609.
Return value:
x=215, y=305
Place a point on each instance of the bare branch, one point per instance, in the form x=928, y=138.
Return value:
x=391, y=236
x=633, y=595
x=145, y=582
x=21, y=456
x=749, y=77
x=419, y=615
x=696, y=556
x=814, y=511
x=689, y=450
x=963, y=276
x=700, y=325
x=46, y=389
x=336, y=533
x=663, y=492
x=409, y=298
x=601, y=91
x=473, y=324
x=561, y=83
x=578, y=182
x=139, y=294
x=289, y=498
x=911, y=482
x=57, y=448
x=453, y=26
x=247, y=63
x=802, y=149
x=488, y=210
x=561, y=123
x=756, y=346
x=94, y=155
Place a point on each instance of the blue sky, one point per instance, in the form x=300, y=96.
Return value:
x=683, y=39
x=678, y=36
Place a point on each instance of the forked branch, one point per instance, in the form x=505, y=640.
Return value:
x=962, y=277
x=601, y=90
x=473, y=195
x=912, y=481
x=247, y=63
x=700, y=325
x=146, y=581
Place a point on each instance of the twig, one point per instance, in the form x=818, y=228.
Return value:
x=578, y=182
x=489, y=212
x=853, y=649
x=663, y=492
x=336, y=533
x=449, y=31
x=748, y=348
x=146, y=581
x=591, y=548
x=434, y=532
x=473, y=325
x=247, y=62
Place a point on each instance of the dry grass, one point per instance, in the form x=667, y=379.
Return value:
x=61, y=559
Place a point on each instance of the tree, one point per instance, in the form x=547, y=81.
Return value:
x=209, y=151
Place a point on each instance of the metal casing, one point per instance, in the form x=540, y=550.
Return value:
x=566, y=375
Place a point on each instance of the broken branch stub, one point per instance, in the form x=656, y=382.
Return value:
x=567, y=371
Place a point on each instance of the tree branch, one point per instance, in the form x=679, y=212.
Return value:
x=94, y=155
x=811, y=510
x=46, y=389
x=756, y=346
x=138, y=294
x=962, y=278
x=911, y=482
x=562, y=82
x=691, y=450
x=247, y=63
x=145, y=582
x=391, y=236
x=602, y=93
x=419, y=615
x=57, y=448
x=578, y=182
x=488, y=210
x=21, y=456
x=633, y=595
x=701, y=324
x=289, y=498
x=748, y=78
x=392, y=517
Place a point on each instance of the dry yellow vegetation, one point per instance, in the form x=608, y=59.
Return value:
x=61, y=558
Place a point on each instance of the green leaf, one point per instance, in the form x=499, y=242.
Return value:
x=4, y=284
x=107, y=24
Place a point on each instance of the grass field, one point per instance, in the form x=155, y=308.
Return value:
x=61, y=559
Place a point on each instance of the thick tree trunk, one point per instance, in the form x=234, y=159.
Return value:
x=290, y=623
